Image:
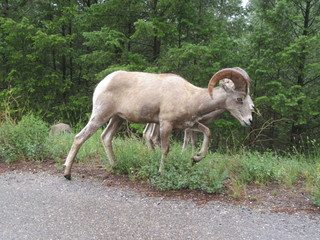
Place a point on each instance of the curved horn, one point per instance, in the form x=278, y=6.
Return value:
x=246, y=75
x=237, y=75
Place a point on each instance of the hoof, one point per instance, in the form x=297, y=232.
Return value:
x=68, y=176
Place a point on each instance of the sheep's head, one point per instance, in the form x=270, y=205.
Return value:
x=238, y=102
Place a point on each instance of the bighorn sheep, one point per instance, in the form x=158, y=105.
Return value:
x=166, y=99
x=151, y=132
x=60, y=128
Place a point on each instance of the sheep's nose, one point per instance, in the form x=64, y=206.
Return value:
x=248, y=122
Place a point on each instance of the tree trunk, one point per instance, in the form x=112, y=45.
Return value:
x=156, y=40
x=156, y=47
x=296, y=129
x=5, y=7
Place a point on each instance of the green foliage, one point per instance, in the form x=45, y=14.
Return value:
x=25, y=140
x=137, y=128
x=28, y=140
x=53, y=54
x=316, y=190
x=316, y=196
x=257, y=168
x=284, y=43
x=209, y=175
x=135, y=160
x=105, y=47
x=263, y=168
x=59, y=145
x=139, y=162
x=287, y=102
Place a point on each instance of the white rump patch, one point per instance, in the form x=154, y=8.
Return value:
x=100, y=88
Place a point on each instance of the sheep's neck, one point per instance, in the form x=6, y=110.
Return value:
x=206, y=104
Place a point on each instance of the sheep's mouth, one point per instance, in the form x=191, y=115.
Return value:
x=247, y=123
x=243, y=122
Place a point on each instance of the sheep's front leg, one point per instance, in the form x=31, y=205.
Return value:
x=206, y=136
x=107, y=135
x=155, y=135
x=165, y=130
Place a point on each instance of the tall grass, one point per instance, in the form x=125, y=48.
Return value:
x=134, y=159
x=91, y=149
x=23, y=140
x=29, y=140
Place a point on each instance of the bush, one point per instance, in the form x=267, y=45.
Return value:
x=316, y=196
x=29, y=140
x=257, y=168
x=134, y=159
x=25, y=140
x=316, y=191
x=59, y=145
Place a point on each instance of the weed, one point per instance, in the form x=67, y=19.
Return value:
x=25, y=140
x=316, y=192
x=134, y=159
x=29, y=140
x=137, y=161
x=257, y=168
x=238, y=188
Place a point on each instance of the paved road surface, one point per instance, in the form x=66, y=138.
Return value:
x=43, y=206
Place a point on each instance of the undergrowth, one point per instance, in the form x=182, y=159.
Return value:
x=211, y=174
x=24, y=140
x=29, y=140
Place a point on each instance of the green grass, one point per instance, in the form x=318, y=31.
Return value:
x=25, y=140
x=134, y=159
x=29, y=140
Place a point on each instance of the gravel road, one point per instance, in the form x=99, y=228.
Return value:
x=44, y=206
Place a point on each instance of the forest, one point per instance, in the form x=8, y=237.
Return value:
x=54, y=52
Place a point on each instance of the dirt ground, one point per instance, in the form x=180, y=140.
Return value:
x=271, y=198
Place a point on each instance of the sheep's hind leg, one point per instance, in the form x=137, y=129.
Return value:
x=107, y=135
x=189, y=135
x=194, y=140
x=155, y=135
x=186, y=139
x=147, y=135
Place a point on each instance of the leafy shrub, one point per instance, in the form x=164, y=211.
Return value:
x=29, y=140
x=316, y=192
x=136, y=160
x=59, y=145
x=256, y=168
x=25, y=140
x=316, y=195
x=91, y=150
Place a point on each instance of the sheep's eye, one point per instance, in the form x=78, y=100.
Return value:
x=240, y=100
